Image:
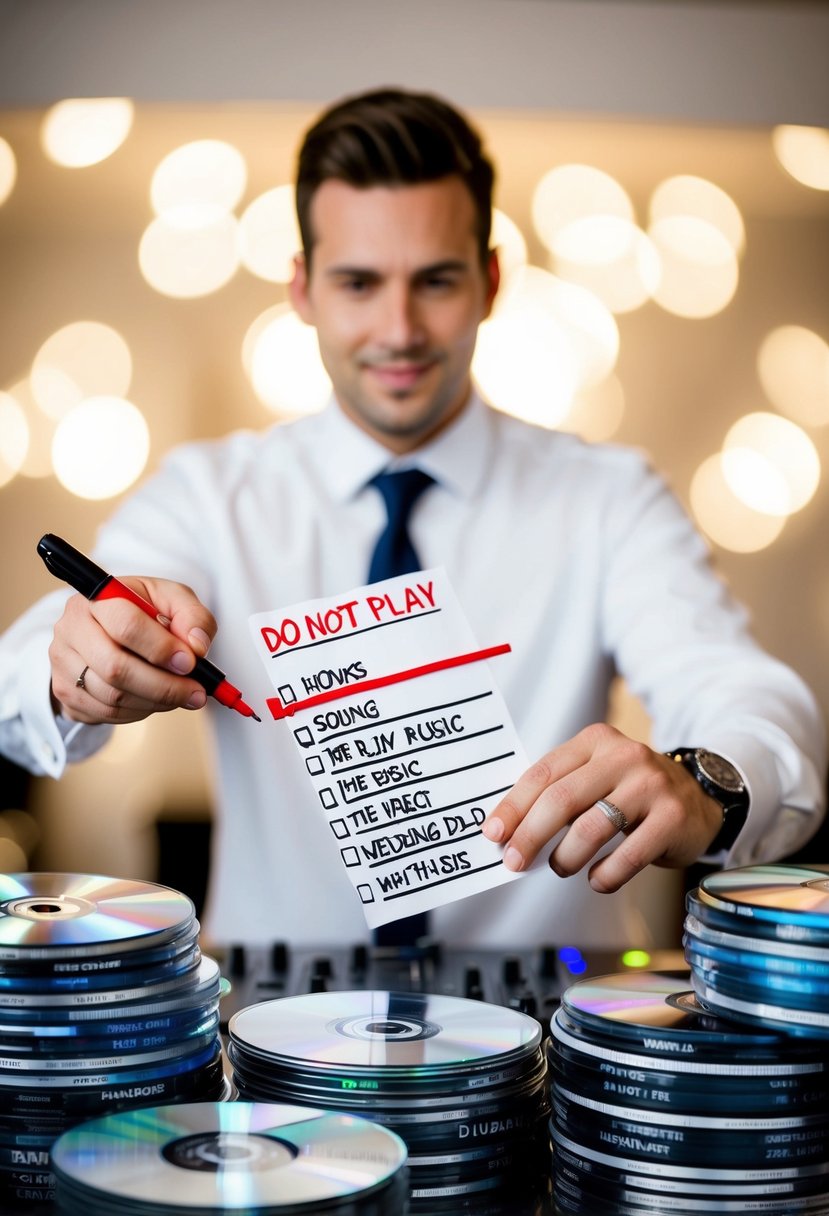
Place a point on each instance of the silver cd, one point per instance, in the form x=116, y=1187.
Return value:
x=227, y=1156
x=53, y=915
x=777, y=893
x=412, y=1032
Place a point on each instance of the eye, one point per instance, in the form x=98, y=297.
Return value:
x=357, y=284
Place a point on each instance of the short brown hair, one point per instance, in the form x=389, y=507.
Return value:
x=390, y=137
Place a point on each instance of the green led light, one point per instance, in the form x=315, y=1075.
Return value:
x=635, y=958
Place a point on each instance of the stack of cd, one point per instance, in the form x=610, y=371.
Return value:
x=462, y=1082
x=105, y=1004
x=757, y=942
x=661, y=1106
x=238, y=1157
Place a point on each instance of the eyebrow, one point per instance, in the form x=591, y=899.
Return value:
x=447, y=265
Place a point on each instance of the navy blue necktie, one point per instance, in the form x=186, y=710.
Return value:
x=395, y=554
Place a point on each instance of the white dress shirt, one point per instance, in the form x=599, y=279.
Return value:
x=575, y=554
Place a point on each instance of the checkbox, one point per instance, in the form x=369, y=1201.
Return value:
x=315, y=765
x=365, y=892
x=350, y=856
x=286, y=694
x=340, y=829
x=304, y=737
x=328, y=798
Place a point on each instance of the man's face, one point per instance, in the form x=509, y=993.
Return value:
x=396, y=291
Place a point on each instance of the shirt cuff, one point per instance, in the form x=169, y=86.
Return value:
x=53, y=741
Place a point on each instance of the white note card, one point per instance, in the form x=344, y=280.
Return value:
x=406, y=739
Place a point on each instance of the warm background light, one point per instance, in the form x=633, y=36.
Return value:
x=8, y=170
x=770, y=464
x=612, y=257
x=597, y=412
x=84, y=131
x=189, y=262
x=699, y=266
x=83, y=359
x=804, y=153
x=793, y=366
x=14, y=437
x=686, y=194
x=100, y=447
x=269, y=235
x=568, y=193
x=724, y=518
x=198, y=184
x=285, y=366
x=37, y=462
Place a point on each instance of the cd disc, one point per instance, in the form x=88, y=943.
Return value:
x=779, y=894
x=48, y=915
x=226, y=1157
x=407, y=1032
x=659, y=1012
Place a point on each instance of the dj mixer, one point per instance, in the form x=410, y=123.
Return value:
x=529, y=981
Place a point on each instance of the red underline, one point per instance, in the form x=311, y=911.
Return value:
x=278, y=710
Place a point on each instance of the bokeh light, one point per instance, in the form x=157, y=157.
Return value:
x=804, y=154
x=722, y=517
x=198, y=184
x=611, y=257
x=571, y=192
x=185, y=263
x=41, y=428
x=793, y=366
x=597, y=412
x=269, y=235
x=100, y=447
x=83, y=359
x=14, y=437
x=700, y=272
x=286, y=370
x=698, y=197
x=770, y=464
x=84, y=131
x=8, y=169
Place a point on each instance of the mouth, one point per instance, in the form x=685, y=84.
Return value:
x=400, y=377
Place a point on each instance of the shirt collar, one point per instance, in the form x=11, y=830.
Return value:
x=457, y=457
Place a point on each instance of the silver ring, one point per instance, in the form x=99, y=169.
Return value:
x=79, y=683
x=613, y=813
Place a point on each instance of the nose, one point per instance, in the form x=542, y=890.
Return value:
x=402, y=323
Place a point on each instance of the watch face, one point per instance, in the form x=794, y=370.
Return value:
x=720, y=771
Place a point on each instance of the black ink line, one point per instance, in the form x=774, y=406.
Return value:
x=426, y=848
x=413, y=751
x=340, y=637
x=440, y=881
x=415, y=713
x=402, y=785
x=437, y=810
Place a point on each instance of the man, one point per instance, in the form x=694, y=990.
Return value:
x=576, y=555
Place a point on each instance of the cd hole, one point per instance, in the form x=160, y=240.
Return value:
x=45, y=907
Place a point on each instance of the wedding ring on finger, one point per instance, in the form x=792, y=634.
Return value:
x=80, y=682
x=616, y=817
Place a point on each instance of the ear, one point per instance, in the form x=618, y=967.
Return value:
x=493, y=275
x=298, y=290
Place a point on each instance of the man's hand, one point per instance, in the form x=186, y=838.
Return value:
x=671, y=820
x=132, y=665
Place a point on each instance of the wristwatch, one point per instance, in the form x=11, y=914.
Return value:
x=722, y=782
